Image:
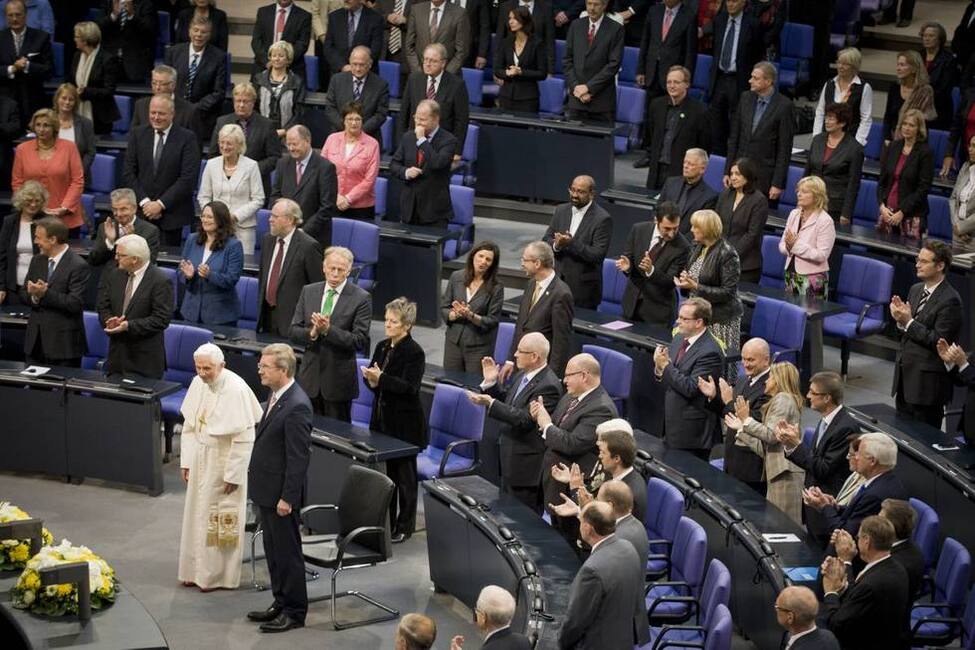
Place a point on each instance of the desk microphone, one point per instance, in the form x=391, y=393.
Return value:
x=468, y=501
x=364, y=446
x=220, y=336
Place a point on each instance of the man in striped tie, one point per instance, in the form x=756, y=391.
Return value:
x=201, y=74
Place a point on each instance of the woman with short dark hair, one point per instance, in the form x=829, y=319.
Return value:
x=837, y=158
x=942, y=72
x=355, y=155
x=471, y=307
x=520, y=63
x=212, y=263
x=743, y=212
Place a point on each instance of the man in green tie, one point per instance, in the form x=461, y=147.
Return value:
x=332, y=322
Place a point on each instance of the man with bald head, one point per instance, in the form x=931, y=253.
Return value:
x=358, y=84
x=579, y=234
x=521, y=447
x=569, y=432
x=415, y=632
x=310, y=181
x=796, y=609
x=162, y=165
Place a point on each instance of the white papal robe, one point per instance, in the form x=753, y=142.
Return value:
x=216, y=443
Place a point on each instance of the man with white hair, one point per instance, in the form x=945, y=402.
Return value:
x=492, y=615
x=219, y=416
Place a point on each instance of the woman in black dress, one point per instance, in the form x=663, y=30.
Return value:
x=519, y=64
x=394, y=376
x=837, y=158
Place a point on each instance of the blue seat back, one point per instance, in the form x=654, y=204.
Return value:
x=788, y=201
x=311, y=73
x=702, y=74
x=473, y=79
x=559, y=56
x=386, y=133
x=551, y=96
x=939, y=217
x=614, y=284
x=124, y=104
x=630, y=109
x=665, y=505
x=163, y=35
x=866, y=209
x=389, y=70
x=462, y=200
x=470, y=143
x=362, y=239
x=689, y=554
x=927, y=531
x=382, y=189
x=631, y=56
x=780, y=323
x=714, y=174
x=362, y=405
x=103, y=173
x=502, y=344
x=864, y=280
x=719, y=632
x=97, y=341
x=951, y=577
x=247, y=293
x=262, y=226
x=715, y=591
x=181, y=342
x=174, y=280
x=57, y=53
x=616, y=372
x=938, y=142
x=453, y=417
x=773, y=263
x=875, y=141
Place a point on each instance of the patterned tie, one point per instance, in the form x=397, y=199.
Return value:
x=357, y=89
x=157, y=154
x=129, y=290
x=194, y=66
x=683, y=350
x=728, y=45
x=18, y=42
x=395, y=34
x=123, y=16
x=329, y=302
x=572, y=405
x=351, y=28
x=279, y=27
x=299, y=172
x=434, y=23
x=243, y=126
x=668, y=21
x=923, y=301
x=50, y=269
x=591, y=36
x=272, y=282
x=432, y=88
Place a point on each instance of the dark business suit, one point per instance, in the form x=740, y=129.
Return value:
x=521, y=447
x=302, y=265
x=689, y=423
x=397, y=411
x=826, y=467
x=315, y=194
x=505, y=639
x=689, y=198
x=606, y=603
x=140, y=350
x=368, y=32
x=658, y=54
x=769, y=143
x=520, y=92
x=172, y=182
x=10, y=129
x=543, y=20
x=452, y=97
x=101, y=254
x=100, y=90
x=741, y=462
x=725, y=87
x=279, y=462
x=580, y=263
x=943, y=76
x=963, y=40
x=328, y=368
x=818, y=639
x=467, y=342
x=692, y=129
x=56, y=328
x=965, y=378
x=743, y=227
x=185, y=115
x=209, y=85
x=909, y=556
x=594, y=66
x=652, y=299
x=915, y=179
x=9, y=233
x=479, y=16
x=297, y=31
x=425, y=200
x=866, y=502
x=263, y=143
x=638, y=488
x=872, y=613
x=551, y=316
x=134, y=42
x=921, y=383
x=841, y=173
x=26, y=87
x=374, y=99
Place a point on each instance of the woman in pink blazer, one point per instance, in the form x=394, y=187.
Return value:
x=356, y=158
x=808, y=240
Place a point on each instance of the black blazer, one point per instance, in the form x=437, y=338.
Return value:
x=751, y=49
x=100, y=253
x=26, y=88
x=594, y=65
x=689, y=422
x=543, y=19
x=918, y=366
x=943, y=75
x=533, y=64
x=136, y=40
x=9, y=233
x=396, y=407
x=57, y=318
x=219, y=32
x=741, y=462
x=486, y=303
x=693, y=130
x=452, y=97
x=479, y=14
x=580, y=264
x=302, y=265
x=841, y=173
x=505, y=639
x=551, y=316
x=915, y=180
x=425, y=200
x=84, y=140
x=297, y=31
x=718, y=280
x=521, y=446
x=680, y=48
x=744, y=226
x=818, y=639
x=315, y=194
x=141, y=350
x=263, y=143
x=963, y=40
x=328, y=367
x=282, y=447
x=185, y=116
x=100, y=91
x=964, y=378
x=209, y=84
x=652, y=299
x=769, y=144
x=374, y=100
x=909, y=556
x=368, y=32
x=173, y=182
x=872, y=614
x=697, y=197
x=865, y=502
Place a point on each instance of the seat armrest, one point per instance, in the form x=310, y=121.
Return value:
x=662, y=636
x=863, y=313
x=676, y=584
x=442, y=472
x=951, y=621
x=343, y=542
x=690, y=601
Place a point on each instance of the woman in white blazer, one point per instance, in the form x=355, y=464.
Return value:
x=235, y=180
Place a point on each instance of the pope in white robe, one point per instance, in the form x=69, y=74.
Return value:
x=220, y=413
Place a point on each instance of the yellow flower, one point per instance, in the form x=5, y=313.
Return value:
x=65, y=590
x=32, y=581
x=20, y=553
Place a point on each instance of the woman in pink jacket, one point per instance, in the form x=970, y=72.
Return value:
x=355, y=155
x=808, y=241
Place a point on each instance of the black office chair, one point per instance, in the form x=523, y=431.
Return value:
x=362, y=540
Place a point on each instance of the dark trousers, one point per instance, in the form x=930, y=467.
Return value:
x=267, y=317
x=282, y=548
x=906, y=10
x=171, y=237
x=402, y=511
x=340, y=410
x=931, y=414
x=657, y=182
x=724, y=104
x=38, y=359
x=464, y=359
x=590, y=116
x=530, y=496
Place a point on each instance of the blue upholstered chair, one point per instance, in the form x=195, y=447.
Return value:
x=630, y=111
x=311, y=73
x=181, y=342
x=702, y=76
x=473, y=79
x=97, y=342
x=688, y=556
x=247, y=293
x=795, y=55
x=466, y=173
x=124, y=104
x=614, y=284
x=783, y=325
x=616, y=371
x=866, y=209
x=103, y=174
x=927, y=531
x=947, y=597
x=462, y=200
x=502, y=344
x=773, y=263
x=389, y=70
x=875, y=141
x=939, y=218
x=551, y=96
x=715, y=592
x=362, y=405
x=456, y=426
x=665, y=505
x=362, y=239
x=788, y=201
x=714, y=174
x=382, y=191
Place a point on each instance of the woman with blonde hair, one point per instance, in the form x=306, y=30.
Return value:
x=784, y=478
x=75, y=127
x=906, y=173
x=808, y=240
x=17, y=245
x=847, y=88
x=911, y=90
x=95, y=71
x=280, y=92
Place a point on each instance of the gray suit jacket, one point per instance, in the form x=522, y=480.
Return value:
x=552, y=316
x=689, y=423
x=374, y=98
x=769, y=144
x=580, y=264
x=632, y=530
x=454, y=33
x=606, y=604
x=328, y=367
x=485, y=304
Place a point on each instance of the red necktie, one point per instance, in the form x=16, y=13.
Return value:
x=298, y=173
x=592, y=33
x=431, y=89
x=420, y=157
x=279, y=27
x=668, y=21
x=683, y=350
x=272, y=284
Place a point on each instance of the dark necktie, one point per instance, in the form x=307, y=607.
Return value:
x=431, y=88
x=728, y=45
x=357, y=89
x=591, y=36
x=925, y=294
x=351, y=28
x=243, y=126
x=760, y=107
x=683, y=350
x=50, y=269
x=572, y=405
x=275, y=276
x=434, y=23
x=194, y=66
x=157, y=154
x=655, y=249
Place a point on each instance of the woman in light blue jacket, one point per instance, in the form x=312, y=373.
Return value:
x=213, y=260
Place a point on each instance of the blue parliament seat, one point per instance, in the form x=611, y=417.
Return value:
x=551, y=96
x=947, y=597
x=474, y=80
x=939, y=218
x=716, y=592
x=181, y=342
x=630, y=110
x=927, y=531
x=456, y=427
x=462, y=199
x=783, y=325
x=506, y=332
x=795, y=52
x=247, y=293
x=788, y=200
x=773, y=263
x=614, y=284
x=389, y=70
x=124, y=104
x=362, y=239
x=688, y=556
x=701, y=80
x=866, y=209
x=362, y=405
x=616, y=372
x=382, y=190
x=665, y=505
x=97, y=342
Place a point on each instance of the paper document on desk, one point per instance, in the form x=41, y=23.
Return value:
x=616, y=325
x=35, y=371
x=780, y=538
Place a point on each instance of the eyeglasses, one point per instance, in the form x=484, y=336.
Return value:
x=264, y=366
x=569, y=374
x=524, y=352
x=781, y=609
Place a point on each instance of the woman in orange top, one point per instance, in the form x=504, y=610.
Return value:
x=56, y=164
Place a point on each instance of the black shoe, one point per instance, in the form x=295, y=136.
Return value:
x=642, y=163
x=399, y=538
x=868, y=21
x=264, y=615
x=282, y=623
x=903, y=22
x=884, y=20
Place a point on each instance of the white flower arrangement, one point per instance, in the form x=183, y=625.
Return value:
x=14, y=553
x=58, y=600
